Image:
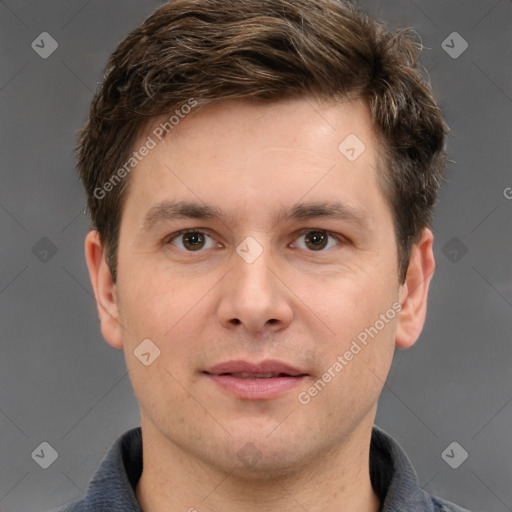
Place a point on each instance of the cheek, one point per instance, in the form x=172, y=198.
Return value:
x=362, y=324
x=148, y=303
x=351, y=302
x=168, y=315
x=357, y=366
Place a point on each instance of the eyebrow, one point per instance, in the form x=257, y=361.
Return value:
x=171, y=210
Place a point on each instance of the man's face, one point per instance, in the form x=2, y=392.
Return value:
x=299, y=291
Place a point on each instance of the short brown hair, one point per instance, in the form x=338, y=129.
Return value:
x=267, y=50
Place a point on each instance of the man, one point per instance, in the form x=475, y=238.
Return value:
x=261, y=177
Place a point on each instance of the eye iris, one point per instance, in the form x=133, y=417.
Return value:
x=318, y=238
x=193, y=240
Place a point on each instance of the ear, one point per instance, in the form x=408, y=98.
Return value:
x=413, y=292
x=104, y=290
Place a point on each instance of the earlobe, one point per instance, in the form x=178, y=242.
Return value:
x=104, y=290
x=414, y=291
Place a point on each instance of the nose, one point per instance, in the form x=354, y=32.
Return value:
x=255, y=297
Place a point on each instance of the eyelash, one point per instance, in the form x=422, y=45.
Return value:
x=168, y=240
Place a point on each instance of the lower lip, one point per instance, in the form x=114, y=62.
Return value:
x=256, y=389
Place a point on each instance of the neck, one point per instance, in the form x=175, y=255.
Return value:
x=172, y=479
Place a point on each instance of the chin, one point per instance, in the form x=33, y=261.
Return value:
x=258, y=465
x=258, y=456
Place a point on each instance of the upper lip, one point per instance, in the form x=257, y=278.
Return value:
x=267, y=366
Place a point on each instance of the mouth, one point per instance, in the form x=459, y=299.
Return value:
x=249, y=381
x=245, y=375
x=264, y=369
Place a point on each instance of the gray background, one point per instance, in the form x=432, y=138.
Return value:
x=62, y=384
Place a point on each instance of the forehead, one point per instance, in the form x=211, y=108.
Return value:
x=300, y=123
x=274, y=154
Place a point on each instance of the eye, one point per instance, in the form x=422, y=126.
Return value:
x=191, y=240
x=318, y=239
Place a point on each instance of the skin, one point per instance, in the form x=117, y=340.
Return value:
x=295, y=303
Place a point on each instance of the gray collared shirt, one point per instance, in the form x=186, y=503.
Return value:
x=112, y=487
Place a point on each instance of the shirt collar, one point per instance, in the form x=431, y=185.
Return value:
x=393, y=477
